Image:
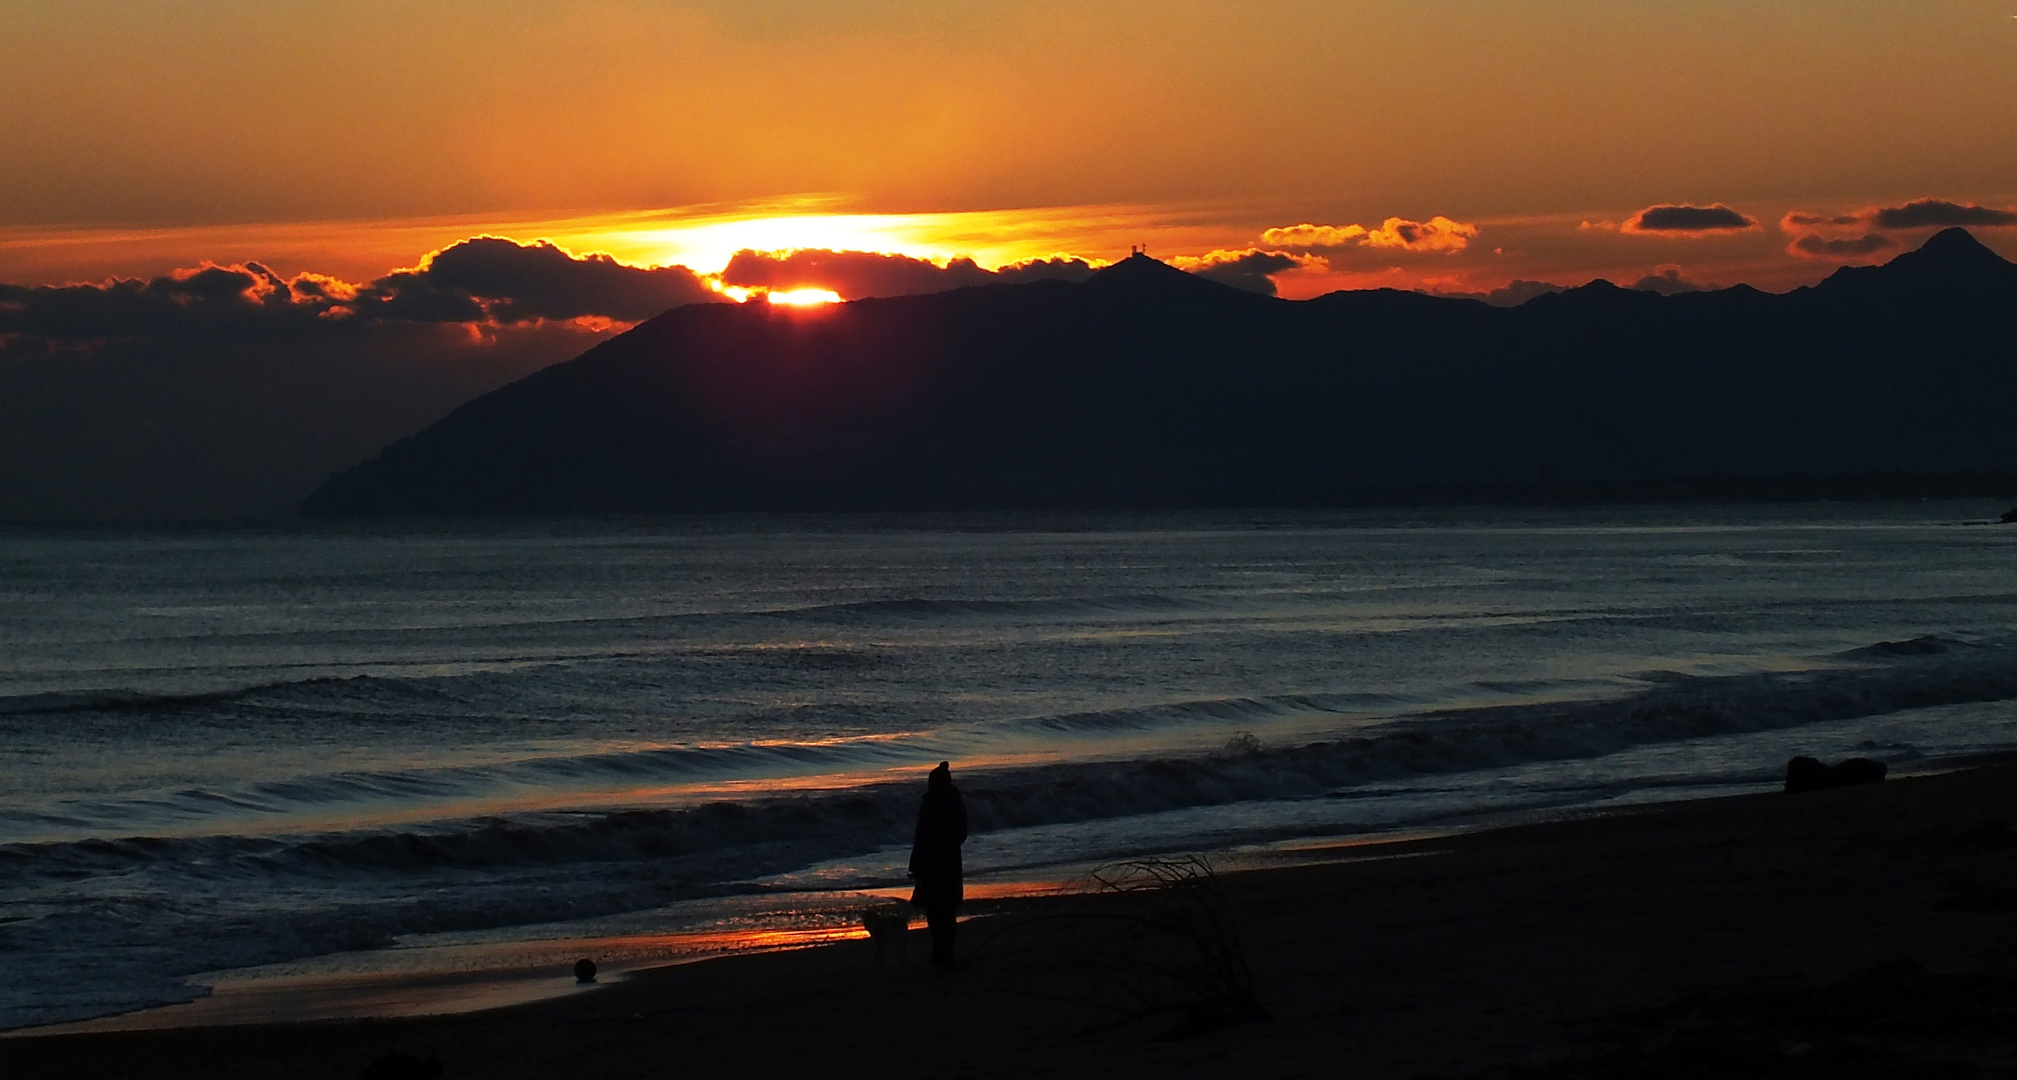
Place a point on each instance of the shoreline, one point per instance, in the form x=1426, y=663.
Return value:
x=363, y=985
x=1518, y=945
x=341, y=988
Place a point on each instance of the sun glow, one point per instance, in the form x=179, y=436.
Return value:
x=705, y=238
x=702, y=238
x=803, y=297
x=707, y=243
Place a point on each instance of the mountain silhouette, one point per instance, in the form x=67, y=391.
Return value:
x=1145, y=386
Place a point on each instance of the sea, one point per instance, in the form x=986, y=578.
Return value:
x=357, y=748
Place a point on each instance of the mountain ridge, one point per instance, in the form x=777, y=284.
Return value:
x=1145, y=386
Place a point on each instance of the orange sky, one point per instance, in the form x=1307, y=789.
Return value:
x=348, y=138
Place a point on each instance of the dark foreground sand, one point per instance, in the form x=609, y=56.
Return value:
x=1860, y=932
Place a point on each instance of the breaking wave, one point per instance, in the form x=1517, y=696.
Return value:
x=827, y=824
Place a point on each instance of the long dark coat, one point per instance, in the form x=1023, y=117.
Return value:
x=934, y=851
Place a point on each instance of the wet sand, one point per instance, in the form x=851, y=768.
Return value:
x=1866, y=931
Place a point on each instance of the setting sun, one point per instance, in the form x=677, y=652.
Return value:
x=804, y=297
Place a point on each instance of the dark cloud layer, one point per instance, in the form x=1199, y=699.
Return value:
x=1854, y=235
x=487, y=278
x=231, y=300
x=1249, y=270
x=478, y=281
x=1940, y=214
x=859, y=274
x=1685, y=219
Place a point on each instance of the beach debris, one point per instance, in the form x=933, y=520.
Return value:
x=1811, y=774
x=2009, y=516
x=1178, y=949
x=400, y=1065
x=584, y=970
x=1156, y=942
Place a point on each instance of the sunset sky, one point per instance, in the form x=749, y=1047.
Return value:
x=1447, y=145
x=349, y=138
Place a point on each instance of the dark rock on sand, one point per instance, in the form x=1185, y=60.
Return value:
x=1810, y=774
x=584, y=970
x=2009, y=516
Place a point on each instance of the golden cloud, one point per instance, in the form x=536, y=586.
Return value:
x=1313, y=236
x=1438, y=234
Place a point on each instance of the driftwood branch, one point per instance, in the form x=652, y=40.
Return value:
x=1154, y=940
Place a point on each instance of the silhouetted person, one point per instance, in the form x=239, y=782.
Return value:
x=935, y=863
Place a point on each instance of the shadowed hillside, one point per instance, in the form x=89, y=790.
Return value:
x=1148, y=387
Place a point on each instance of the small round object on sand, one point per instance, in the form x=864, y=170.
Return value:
x=584, y=970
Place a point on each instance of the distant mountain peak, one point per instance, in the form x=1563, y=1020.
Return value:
x=1138, y=265
x=1956, y=239
x=1143, y=271
x=1956, y=248
x=1952, y=260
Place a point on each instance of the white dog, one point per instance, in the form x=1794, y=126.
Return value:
x=889, y=929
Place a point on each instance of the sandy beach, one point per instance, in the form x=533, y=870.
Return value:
x=1867, y=931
